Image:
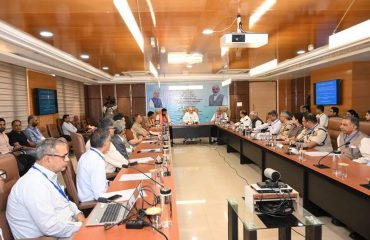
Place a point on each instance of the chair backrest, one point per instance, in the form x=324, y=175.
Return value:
x=69, y=177
x=129, y=134
x=59, y=125
x=53, y=130
x=78, y=144
x=365, y=127
x=44, y=131
x=9, y=164
x=334, y=130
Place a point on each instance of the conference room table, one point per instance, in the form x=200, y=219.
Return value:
x=201, y=130
x=347, y=200
x=120, y=232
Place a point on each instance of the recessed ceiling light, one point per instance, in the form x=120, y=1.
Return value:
x=117, y=75
x=300, y=52
x=52, y=75
x=105, y=68
x=208, y=31
x=85, y=56
x=189, y=66
x=46, y=34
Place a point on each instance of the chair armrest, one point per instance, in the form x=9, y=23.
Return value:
x=87, y=205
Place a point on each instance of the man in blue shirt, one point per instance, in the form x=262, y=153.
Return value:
x=32, y=132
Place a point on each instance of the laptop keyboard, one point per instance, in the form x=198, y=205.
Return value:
x=110, y=213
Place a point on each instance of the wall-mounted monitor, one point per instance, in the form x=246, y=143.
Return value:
x=46, y=101
x=328, y=92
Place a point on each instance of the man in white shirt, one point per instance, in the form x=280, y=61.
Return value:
x=273, y=124
x=244, y=119
x=113, y=158
x=256, y=121
x=67, y=126
x=322, y=118
x=91, y=176
x=37, y=205
x=219, y=116
x=190, y=117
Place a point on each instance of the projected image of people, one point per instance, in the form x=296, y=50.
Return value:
x=155, y=101
x=216, y=98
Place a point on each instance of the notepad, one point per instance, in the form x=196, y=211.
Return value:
x=154, y=133
x=150, y=150
x=134, y=177
x=142, y=160
x=316, y=154
x=148, y=141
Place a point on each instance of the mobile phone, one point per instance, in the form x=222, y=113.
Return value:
x=114, y=197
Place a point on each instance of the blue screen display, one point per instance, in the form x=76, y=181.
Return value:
x=327, y=93
x=46, y=101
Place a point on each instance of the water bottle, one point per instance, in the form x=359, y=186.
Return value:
x=166, y=206
x=334, y=164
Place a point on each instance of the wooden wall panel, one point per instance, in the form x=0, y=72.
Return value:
x=123, y=90
x=360, y=87
x=40, y=80
x=138, y=90
x=239, y=92
x=138, y=105
x=124, y=106
x=108, y=90
x=285, y=95
x=262, y=97
x=94, y=102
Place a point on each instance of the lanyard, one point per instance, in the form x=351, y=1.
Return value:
x=56, y=186
x=94, y=150
x=351, y=138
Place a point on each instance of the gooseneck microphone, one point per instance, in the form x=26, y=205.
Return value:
x=322, y=166
x=146, y=175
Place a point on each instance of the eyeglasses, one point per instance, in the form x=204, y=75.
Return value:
x=65, y=157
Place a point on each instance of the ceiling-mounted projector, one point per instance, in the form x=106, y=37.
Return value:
x=243, y=40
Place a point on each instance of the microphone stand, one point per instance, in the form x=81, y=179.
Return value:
x=322, y=166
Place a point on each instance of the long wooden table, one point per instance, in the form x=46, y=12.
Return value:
x=344, y=199
x=192, y=131
x=120, y=232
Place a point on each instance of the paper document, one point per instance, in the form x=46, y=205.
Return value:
x=142, y=160
x=148, y=150
x=134, y=177
x=154, y=133
x=316, y=154
x=126, y=194
x=149, y=141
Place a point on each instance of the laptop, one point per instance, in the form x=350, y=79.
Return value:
x=112, y=213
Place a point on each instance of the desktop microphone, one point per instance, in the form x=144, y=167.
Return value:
x=146, y=175
x=322, y=166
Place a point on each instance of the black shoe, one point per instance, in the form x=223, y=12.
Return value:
x=338, y=223
x=356, y=236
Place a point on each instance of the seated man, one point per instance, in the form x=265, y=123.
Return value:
x=350, y=137
x=32, y=132
x=149, y=121
x=256, y=121
x=286, y=124
x=37, y=205
x=190, y=117
x=113, y=158
x=273, y=124
x=314, y=136
x=244, y=119
x=333, y=112
x=17, y=137
x=24, y=161
x=322, y=118
x=120, y=141
x=68, y=127
x=163, y=117
x=91, y=177
x=130, y=136
x=367, y=116
x=137, y=128
x=365, y=152
x=219, y=116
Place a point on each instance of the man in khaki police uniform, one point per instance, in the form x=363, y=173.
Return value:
x=314, y=136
